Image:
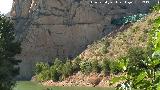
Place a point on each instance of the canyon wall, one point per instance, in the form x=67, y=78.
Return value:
x=63, y=28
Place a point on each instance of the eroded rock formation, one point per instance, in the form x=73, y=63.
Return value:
x=63, y=28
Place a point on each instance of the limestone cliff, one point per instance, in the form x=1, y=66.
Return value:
x=63, y=28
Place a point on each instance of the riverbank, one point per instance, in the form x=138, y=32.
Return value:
x=28, y=85
x=81, y=80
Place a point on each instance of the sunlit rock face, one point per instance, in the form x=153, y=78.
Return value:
x=63, y=28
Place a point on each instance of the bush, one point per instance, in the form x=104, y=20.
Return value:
x=43, y=75
x=136, y=55
x=106, y=66
x=67, y=69
x=114, y=67
x=105, y=47
x=54, y=74
x=45, y=72
x=95, y=66
x=75, y=64
x=117, y=66
x=156, y=7
x=42, y=71
x=41, y=67
x=86, y=67
x=58, y=64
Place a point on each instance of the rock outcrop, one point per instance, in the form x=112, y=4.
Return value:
x=64, y=28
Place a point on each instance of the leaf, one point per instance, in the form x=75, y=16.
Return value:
x=141, y=76
x=157, y=78
x=156, y=22
x=144, y=84
x=157, y=40
x=158, y=86
x=158, y=73
x=117, y=79
x=122, y=64
x=155, y=62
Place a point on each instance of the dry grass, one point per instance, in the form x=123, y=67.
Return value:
x=120, y=42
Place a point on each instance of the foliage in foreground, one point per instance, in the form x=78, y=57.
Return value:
x=142, y=71
x=8, y=49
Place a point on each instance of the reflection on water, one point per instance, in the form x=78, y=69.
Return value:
x=27, y=85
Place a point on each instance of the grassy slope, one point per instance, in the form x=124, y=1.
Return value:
x=135, y=35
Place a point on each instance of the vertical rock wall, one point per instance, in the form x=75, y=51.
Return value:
x=63, y=28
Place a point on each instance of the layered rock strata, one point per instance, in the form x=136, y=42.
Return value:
x=63, y=28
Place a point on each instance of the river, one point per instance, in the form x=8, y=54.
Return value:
x=27, y=85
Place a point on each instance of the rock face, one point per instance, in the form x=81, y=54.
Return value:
x=63, y=28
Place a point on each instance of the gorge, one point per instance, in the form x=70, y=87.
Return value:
x=51, y=29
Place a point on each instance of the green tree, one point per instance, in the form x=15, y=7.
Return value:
x=144, y=73
x=8, y=49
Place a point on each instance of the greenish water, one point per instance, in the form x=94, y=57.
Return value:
x=27, y=85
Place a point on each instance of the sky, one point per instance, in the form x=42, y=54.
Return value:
x=5, y=6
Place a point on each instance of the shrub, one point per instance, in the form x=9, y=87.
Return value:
x=105, y=47
x=95, y=66
x=135, y=29
x=43, y=75
x=42, y=71
x=54, y=74
x=67, y=69
x=86, y=67
x=58, y=64
x=41, y=67
x=119, y=65
x=114, y=67
x=45, y=72
x=106, y=66
x=136, y=55
x=75, y=64
x=156, y=7
x=144, y=72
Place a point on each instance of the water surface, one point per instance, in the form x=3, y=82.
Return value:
x=27, y=85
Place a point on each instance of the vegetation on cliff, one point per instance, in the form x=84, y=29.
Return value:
x=142, y=69
x=135, y=49
x=8, y=49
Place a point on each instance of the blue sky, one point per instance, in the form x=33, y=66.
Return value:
x=5, y=6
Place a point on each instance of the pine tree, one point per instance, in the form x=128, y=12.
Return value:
x=8, y=49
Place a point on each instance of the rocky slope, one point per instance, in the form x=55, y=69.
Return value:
x=64, y=28
x=135, y=35
x=131, y=35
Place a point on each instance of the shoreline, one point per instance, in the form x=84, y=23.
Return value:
x=81, y=80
